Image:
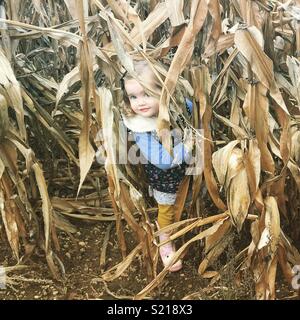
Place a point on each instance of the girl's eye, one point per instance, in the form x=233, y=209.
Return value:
x=132, y=97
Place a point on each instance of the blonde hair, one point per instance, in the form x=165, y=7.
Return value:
x=139, y=66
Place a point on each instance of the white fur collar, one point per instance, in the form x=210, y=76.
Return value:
x=138, y=123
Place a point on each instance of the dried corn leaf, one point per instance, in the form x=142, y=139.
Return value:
x=65, y=37
x=63, y=224
x=271, y=279
x=295, y=147
x=256, y=107
x=215, y=252
x=208, y=174
x=220, y=160
x=156, y=17
x=117, y=270
x=238, y=198
x=294, y=169
x=46, y=204
x=107, y=117
x=2, y=168
x=10, y=89
x=255, y=161
x=294, y=71
x=214, y=239
x=9, y=156
x=8, y=214
x=119, y=45
x=72, y=7
x=182, y=56
x=181, y=198
x=284, y=264
x=271, y=233
x=260, y=63
x=86, y=151
x=216, y=28
x=176, y=15
x=4, y=121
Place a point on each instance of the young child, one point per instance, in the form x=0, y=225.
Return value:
x=164, y=172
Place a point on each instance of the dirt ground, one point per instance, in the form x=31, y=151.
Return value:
x=80, y=255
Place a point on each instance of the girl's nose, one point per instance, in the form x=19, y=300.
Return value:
x=141, y=101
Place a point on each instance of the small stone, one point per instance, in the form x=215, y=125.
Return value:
x=36, y=297
x=82, y=244
x=181, y=274
x=190, y=286
x=78, y=233
x=68, y=255
x=55, y=292
x=82, y=250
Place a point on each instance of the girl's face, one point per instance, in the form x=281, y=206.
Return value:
x=141, y=103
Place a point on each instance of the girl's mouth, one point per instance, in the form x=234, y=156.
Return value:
x=144, y=109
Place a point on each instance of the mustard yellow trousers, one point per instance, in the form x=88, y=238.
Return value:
x=166, y=215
